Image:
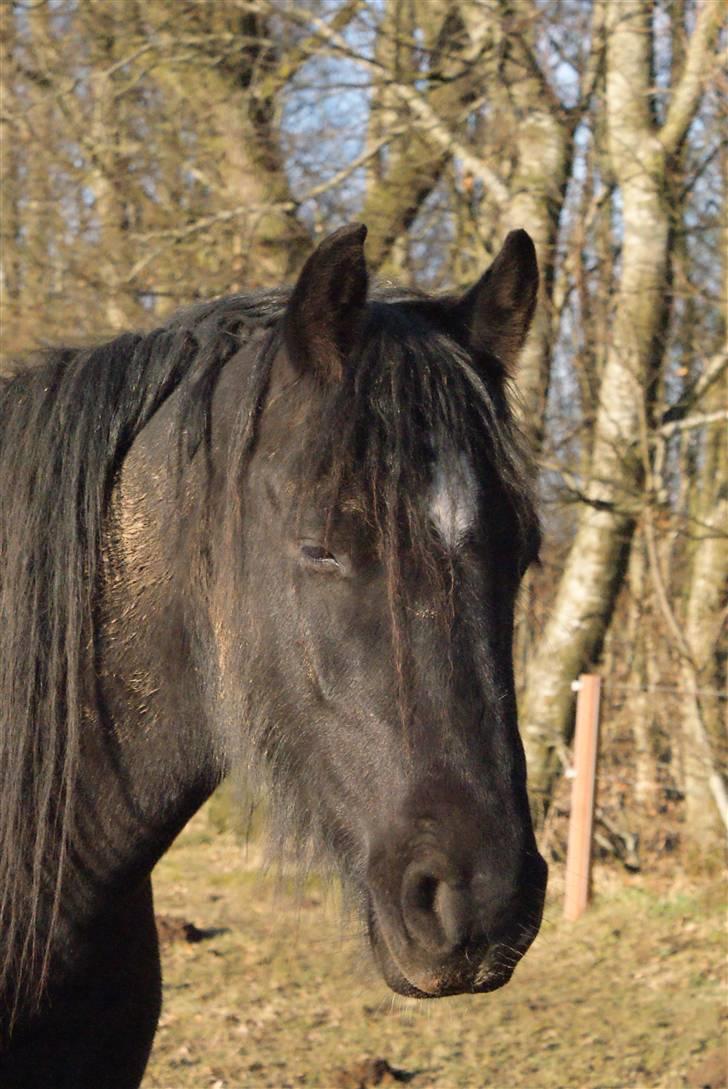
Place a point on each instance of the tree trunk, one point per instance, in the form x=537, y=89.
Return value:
x=639, y=705
x=408, y=169
x=235, y=106
x=10, y=180
x=704, y=671
x=543, y=144
x=638, y=153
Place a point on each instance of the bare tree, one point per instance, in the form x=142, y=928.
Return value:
x=154, y=153
x=640, y=153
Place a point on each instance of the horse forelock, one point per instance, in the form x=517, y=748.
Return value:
x=413, y=434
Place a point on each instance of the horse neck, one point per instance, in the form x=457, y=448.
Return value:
x=149, y=759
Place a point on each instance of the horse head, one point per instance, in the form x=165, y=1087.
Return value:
x=377, y=531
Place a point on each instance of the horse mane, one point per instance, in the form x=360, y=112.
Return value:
x=66, y=423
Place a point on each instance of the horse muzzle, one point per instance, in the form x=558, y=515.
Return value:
x=437, y=931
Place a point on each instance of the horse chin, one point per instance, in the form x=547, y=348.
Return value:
x=392, y=974
x=489, y=977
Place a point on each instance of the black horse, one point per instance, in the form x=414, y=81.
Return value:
x=284, y=531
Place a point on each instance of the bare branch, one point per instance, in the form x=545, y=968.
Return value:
x=292, y=60
x=699, y=67
x=715, y=367
x=174, y=236
x=594, y=67
x=435, y=129
x=690, y=423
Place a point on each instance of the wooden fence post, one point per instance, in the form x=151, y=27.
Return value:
x=586, y=737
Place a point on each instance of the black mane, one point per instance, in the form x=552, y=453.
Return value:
x=66, y=423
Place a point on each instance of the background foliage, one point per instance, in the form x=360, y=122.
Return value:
x=158, y=152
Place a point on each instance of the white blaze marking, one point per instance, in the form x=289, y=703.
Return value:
x=454, y=497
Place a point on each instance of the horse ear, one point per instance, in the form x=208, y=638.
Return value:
x=326, y=309
x=496, y=313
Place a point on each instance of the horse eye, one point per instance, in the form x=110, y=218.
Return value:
x=317, y=556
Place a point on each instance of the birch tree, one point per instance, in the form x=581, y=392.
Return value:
x=640, y=153
x=155, y=153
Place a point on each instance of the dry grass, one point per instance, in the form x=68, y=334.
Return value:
x=284, y=995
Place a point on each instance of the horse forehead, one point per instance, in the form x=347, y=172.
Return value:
x=453, y=496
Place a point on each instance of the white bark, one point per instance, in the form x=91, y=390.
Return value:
x=584, y=601
x=704, y=633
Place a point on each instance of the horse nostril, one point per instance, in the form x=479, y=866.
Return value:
x=425, y=891
x=437, y=913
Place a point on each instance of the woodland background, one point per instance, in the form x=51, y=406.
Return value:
x=159, y=151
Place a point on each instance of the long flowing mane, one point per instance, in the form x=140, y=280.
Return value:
x=65, y=426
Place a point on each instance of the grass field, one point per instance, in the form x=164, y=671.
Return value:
x=281, y=992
